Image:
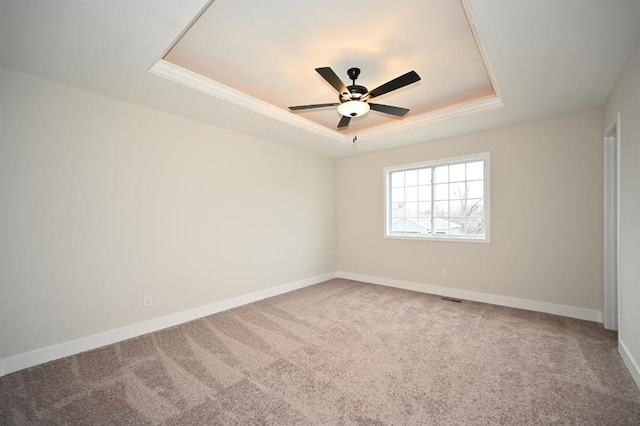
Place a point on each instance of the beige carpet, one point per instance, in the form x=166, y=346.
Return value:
x=340, y=352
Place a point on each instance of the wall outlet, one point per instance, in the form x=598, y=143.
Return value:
x=147, y=301
x=443, y=273
x=306, y=267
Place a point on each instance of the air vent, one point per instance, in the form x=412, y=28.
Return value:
x=451, y=299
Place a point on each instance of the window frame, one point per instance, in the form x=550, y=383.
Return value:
x=484, y=156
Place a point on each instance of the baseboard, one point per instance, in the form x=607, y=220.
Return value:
x=629, y=362
x=512, y=302
x=40, y=356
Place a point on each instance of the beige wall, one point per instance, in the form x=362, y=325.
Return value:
x=546, y=215
x=625, y=100
x=105, y=201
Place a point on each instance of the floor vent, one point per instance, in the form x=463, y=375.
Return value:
x=451, y=299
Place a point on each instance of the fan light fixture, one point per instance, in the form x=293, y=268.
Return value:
x=354, y=99
x=353, y=108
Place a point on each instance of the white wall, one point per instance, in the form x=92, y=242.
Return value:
x=625, y=100
x=105, y=201
x=546, y=216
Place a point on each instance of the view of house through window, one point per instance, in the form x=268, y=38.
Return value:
x=446, y=199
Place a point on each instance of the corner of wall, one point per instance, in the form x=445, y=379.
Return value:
x=629, y=362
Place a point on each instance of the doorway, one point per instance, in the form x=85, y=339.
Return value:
x=611, y=228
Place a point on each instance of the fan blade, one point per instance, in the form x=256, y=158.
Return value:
x=388, y=109
x=344, y=121
x=299, y=107
x=396, y=83
x=331, y=77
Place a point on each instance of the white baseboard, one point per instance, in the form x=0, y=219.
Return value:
x=40, y=356
x=512, y=302
x=629, y=362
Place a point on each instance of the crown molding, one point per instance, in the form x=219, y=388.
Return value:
x=473, y=25
x=467, y=108
x=203, y=84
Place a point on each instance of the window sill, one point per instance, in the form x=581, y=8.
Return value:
x=449, y=238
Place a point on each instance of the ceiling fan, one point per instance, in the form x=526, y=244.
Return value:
x=354, y=99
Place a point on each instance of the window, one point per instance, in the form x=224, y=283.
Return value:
x=444, y=199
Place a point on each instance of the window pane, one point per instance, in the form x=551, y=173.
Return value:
x=425, y=225
x=424, y=176
x=411, y=209
x=411, y=193
x=456, y=226
x=456, y=208
x=424, y=209
x=475, y=170
x=441, y=208
x=397, y=179
x=397, y=195
x=397, y=210
x=424, y=192
x=457, y=191
x=411, y=177
x=476, y=189
x=441, y=191
x=441, y=226
x=397, y=226
x=411, y=225
x=441, y=174
x=474, y=208
x=456, y=172
x=475, y=226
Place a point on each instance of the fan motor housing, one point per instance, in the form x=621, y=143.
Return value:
x=356, y=92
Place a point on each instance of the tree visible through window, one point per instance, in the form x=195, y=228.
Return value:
x=445, y=198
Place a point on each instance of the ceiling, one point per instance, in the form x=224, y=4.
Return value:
x=238, y=64
x=433, y=38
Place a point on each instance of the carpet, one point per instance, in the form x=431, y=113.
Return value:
x=340, y=353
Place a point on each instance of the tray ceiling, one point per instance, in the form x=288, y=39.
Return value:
x=545, y=58
x=262, y=55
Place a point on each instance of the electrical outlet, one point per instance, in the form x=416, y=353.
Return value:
x=306, y=267
x=147, y=301
x=443, y=273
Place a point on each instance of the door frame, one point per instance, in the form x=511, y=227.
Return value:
x=611, y=314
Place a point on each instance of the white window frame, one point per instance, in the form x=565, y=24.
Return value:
x=485, y=156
